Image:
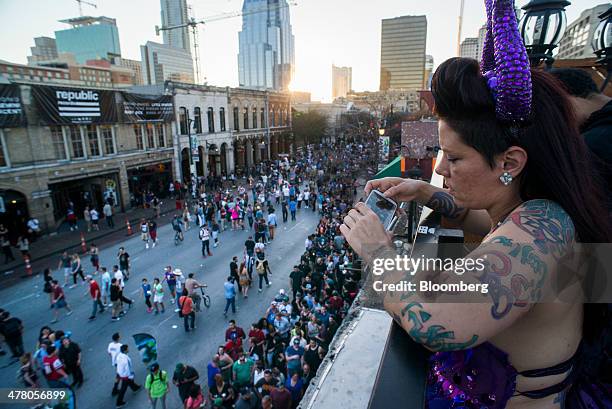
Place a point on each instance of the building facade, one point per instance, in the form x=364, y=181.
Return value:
x=71, y=147
x=380, y=103
x=428, y=74
x=134, y=65
x=576, y=42
x=161, y=62
x=173, y=13
x=342, y=81
x=469, y=48
x=266, y=57
x=90, y=38
x=402, y=56
x=45, y=48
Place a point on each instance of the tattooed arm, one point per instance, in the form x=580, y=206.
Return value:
x=520, y=260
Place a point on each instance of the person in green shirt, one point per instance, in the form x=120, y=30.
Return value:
x=242, y=371
x=157, y=385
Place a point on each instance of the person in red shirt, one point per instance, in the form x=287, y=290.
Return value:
x=58, y=300
x=234, y=333
x=186, y=310
x=257, y=338
x=94, y=293
x=54, y=369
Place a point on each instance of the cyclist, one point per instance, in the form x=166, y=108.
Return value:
x=190, y=285
x=177, y=225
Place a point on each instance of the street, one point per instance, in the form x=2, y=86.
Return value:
x=26, y=301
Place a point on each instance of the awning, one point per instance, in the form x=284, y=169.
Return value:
x=394, y=169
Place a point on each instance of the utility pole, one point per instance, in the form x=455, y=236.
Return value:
x=461, y=7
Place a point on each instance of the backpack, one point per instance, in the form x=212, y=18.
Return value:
x=260, y=267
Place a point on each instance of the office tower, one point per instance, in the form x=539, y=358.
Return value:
x=482, y=32
x=45, y=49
x=266, y=45
x=402, y=55
x=342, y=81
x=429, y=64
x=576, y=43
x=173, y=13
x=469, y=48
x=90, y=38
x=161, y=62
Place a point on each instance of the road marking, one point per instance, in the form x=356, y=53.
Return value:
x=135, y=291
x=19, y=300
x=160, y=324
x=296, y=225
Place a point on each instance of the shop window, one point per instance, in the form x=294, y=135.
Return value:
x=280, y=117
x=107, y=140
x=236, y=119
x=57, y=141
x=138, y=134
x=76, y=143
x=222, y=119
x=245, y=115
x=254, y=117
x=150, y=136
x=210, y=114
x=92, y=140
x=197, y=120
x=183, y=120
x=161, y=137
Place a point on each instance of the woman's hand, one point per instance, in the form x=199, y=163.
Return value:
x=398, y=189
x=364, y=232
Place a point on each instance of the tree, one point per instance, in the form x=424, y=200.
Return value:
x=309, y=127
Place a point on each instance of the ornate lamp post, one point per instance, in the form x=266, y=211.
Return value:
x=542, y=28
x=602, y=43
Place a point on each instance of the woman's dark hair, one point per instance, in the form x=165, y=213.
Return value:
x=558, y=166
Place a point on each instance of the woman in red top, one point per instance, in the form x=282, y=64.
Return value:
x=186, y=310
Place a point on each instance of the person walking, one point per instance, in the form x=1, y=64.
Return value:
x=144, y=232
x=262, y=268
x=87, y=218
x=170, y=279
x=215, y=233
x=272, y=223
x=94, y=257
x=285, y=211
x=157, y=385
x=153, y=232
x=186, y=310
x=113, y=350
x=105, y=282
x=205, y=237
x=158, y=296
x=115, y=298
x=94, y=292
x=147, y=293
x=292, y=208
x=107, y=211
x=77, y=270
x=125, y=372
x=230, y=295
x=243, y=279
x=65, y=262
x=58, y=300
x=23, y=244
x=124, y=262
x=234, y=272
x=95, y=219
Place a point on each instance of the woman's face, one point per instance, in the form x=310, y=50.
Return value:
x=470, y=179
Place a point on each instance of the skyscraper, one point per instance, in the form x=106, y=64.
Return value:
x=576, y=42
x=402, y=54
x=161, y=62
x=266, y=45
x=90, y=38
x=174, y=12
x=469, y=48
x=342, y=81
x=45, y=49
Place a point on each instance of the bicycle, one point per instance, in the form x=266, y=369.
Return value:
x=205, y=297
x=178, y=237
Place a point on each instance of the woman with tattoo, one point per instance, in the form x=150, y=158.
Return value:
x=517, y=174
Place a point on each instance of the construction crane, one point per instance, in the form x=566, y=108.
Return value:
x=81, y=6
x=459, y=29
x=193, y=25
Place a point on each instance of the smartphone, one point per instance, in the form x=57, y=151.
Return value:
x=383, y=207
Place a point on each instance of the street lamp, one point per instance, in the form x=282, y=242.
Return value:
x=602, y=43
x=542, y=28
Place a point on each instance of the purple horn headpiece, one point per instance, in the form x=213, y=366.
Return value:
x=505, y=63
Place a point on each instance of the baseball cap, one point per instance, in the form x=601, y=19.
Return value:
x=296, y=341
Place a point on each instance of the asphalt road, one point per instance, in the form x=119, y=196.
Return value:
x=26, y=301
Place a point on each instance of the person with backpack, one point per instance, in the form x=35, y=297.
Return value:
x=262, y=268
x=205, y=237
x=157, y=385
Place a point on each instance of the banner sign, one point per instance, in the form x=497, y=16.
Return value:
x=383, y=142
x=146, y=108
x=11, y=109
x=65, y=106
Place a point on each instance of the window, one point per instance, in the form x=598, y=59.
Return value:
x=236, y=120
x=183, y=120
x=245, y=115
x=254, y=117
x=210, y=113
x=76, y=143
x=263, y=118
x=150, y=136
x=138, y=134
x=161, y=137
x=272, y=118
x=92, y=140
x=57, y=140
x=222, y=118
x=197, y=120
x=280, y=117
x=107, y=140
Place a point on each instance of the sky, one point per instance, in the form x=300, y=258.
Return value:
x=340, y=32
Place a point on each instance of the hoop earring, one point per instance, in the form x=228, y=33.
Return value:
x=506, y=178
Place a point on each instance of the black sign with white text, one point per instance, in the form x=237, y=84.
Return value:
x=74, y=105
x=11, y=109
x=146, y=108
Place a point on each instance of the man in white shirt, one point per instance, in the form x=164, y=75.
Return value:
x=95, y=218
x=113, y=350
x=108, y=213
x=125, y=372
x=119, y=276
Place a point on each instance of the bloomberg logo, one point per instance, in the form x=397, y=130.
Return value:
x=77, y=96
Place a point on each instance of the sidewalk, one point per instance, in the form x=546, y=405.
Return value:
x=53, y=244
